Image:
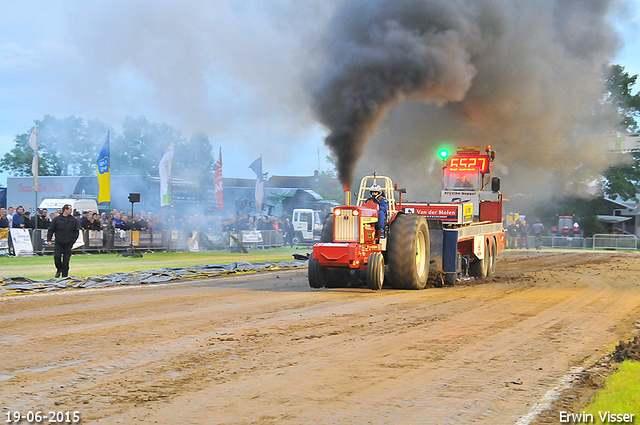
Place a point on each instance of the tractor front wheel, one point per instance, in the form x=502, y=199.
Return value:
x=316, y=274
x=375, y=271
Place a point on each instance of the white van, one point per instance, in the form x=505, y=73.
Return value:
x=307, y=226
x=76, y=204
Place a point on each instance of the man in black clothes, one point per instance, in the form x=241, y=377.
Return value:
x=29, y=223
x=85, y=219
x=140, y=223
x=43, y=219
x=65, y=227
x=92, y=223
x=126, y=224
x=288, y=233
x=4, y=222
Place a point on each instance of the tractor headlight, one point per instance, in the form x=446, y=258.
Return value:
x=337, y=211
x=356, y=212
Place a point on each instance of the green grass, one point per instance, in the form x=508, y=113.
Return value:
x=100, y=264
x=621, y=393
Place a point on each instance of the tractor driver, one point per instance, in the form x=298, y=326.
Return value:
x=377, y=196
x=463, y=182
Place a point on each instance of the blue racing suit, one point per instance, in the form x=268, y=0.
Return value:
x=383, y=206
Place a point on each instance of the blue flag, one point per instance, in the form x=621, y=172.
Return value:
x=103, y=169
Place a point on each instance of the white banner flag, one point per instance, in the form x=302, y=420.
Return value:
x=259, y=194
x=217, y=182
x=165, y=176
x=256, y=166
x=33, y=143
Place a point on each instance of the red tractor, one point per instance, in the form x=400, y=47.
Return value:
x=567, y=226
x=350, y=244
x=446, y=240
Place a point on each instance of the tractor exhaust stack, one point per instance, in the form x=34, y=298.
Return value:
x=347, y=194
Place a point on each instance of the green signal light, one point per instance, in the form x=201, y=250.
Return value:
x=443, y=154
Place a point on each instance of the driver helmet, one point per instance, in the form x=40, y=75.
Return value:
x=375, y=190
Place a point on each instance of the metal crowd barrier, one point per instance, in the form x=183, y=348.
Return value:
x=180, y=240
x=259, y=239
x=565, y=242
x=615, y=242
x=103, y=240
x=160, y=240
x=600, y=241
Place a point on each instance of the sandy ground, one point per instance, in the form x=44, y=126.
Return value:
x=266, y=348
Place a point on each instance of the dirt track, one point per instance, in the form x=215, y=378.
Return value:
x=266, y=348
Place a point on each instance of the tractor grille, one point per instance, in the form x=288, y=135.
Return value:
x=346, y=227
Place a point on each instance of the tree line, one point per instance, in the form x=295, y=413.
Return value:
x=624, y=180
x=70, y=147
x=620, y=182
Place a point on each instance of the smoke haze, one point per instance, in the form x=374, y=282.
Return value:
x=389, y=81
x=402, y=78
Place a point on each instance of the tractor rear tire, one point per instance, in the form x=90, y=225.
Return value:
x=479, y=268
x=408, y=252
x=317, y=274
x=327, y=229
x=375, y=271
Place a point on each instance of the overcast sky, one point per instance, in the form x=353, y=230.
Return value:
x=239, y=70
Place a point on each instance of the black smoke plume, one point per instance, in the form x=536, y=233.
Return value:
x=512, y=72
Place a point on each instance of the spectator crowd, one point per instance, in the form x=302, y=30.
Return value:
x=19, y=217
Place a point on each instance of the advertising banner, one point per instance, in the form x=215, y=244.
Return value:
x=4, y=239
x=95, y=238
x=252, y=236
x=21, y=241
x=121, y=238
x=79, y=243
x=192, y=242
x=449, y=213
x=135, y=237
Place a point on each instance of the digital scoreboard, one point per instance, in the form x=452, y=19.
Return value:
x=465, y=163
